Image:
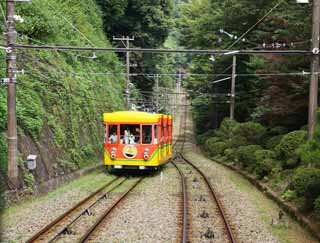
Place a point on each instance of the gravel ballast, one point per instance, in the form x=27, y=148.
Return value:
x=149, y=214
x=23, y=220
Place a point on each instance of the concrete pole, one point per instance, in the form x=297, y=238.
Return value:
x=13, y=172
x=233, y=85
x=128, y=75
x=313, y=92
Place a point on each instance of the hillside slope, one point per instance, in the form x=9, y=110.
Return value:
x=62, y=95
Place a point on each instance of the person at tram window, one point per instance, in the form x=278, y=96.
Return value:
x=131, y=139
x=113, y=138
x=126, y=137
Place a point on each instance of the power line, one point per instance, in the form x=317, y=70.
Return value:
x=72, y=25
x=157, y=51
x=256, y=24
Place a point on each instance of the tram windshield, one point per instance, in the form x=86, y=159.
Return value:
x=129, y=134
x=146, y=134
x=113, y=134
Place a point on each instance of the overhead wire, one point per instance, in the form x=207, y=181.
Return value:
x=256, y=24
x=71, y=24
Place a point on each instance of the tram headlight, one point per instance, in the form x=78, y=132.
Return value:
x=146, y=154
x=113, y=153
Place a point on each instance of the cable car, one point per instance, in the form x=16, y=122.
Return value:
x=136, y=140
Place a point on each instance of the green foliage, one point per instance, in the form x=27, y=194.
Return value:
x=227, y=129
x=278, y=130
x=306, y=183
x=230, y=154
x=273, y=142
x=266, y=99
x=202, y=138
x=310, y=152
x=30, y=112
x=217, y=148
x=289, y=195
x=287, y=149
x=3, y=153
x=238, y=141
x=252, y=131
x=210, y=141
x=3, y=109
x=29, y=180
x=264, y=154
x=63, y=91
x=150, y=22
x=264, y=167
x=317, y=206
x=246, y=155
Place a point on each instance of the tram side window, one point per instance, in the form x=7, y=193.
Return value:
x=113, y=134
x=129, y=134
x=105, y=137
x=156, y=134
x=146, y=134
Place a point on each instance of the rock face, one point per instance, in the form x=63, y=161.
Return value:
x=61, y=98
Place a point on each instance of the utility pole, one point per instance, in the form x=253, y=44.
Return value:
x=127, y=45
x=233, y=85
x=11, y=33
x=313, y=92
x=157, y=92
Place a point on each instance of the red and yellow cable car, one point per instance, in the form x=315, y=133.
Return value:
x=137, y=140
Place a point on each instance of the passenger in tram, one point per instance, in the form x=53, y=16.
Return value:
x=113, y=138
x=126, y=137
x=131, y=139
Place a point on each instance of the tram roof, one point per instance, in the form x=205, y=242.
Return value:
x=132, y=117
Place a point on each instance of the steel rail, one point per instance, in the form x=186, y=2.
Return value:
x=61, y=217
x=154, y=50
x=89, y=232
x=66, y=229
x=213, y=193
x=184, y=232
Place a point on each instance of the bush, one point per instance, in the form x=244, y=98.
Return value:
x=273, y=142
x=210, y=141
x=252, y=131
x=264, y=167
x=289, y=195
x=264, y=154
x=246, y=154
x=287, y=150
x=238, y=141
x=278, y=131
x=227, y=129
x=3, y=153
x=217, y=148
x=306, y=183
x=29, y=180
x=230, y=154
x=317, y=206
x=202, y=138
x=310, y=152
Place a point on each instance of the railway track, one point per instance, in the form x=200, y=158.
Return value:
x=89, y=234
x=63, y=224
x=185, y=224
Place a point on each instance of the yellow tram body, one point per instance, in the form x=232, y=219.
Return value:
x=137, y=140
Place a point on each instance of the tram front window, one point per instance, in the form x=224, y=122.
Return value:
x=129, y=134
x=113, y=134
x=146, y=134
